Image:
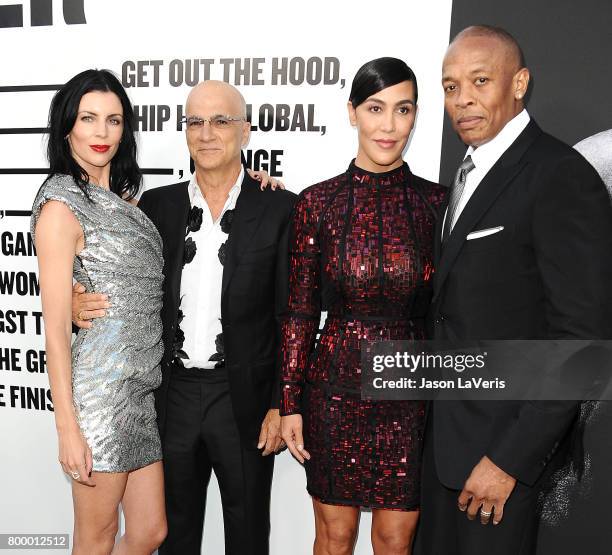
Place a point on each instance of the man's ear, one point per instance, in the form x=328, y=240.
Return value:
x=246, y=134
x=520, y=83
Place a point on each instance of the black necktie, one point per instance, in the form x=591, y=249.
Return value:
x=455, y=195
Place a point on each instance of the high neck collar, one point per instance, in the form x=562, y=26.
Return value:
x=391, y=177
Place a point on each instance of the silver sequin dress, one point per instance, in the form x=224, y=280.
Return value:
x=116, y=363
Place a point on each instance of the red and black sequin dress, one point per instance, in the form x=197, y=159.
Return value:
x=361, y=249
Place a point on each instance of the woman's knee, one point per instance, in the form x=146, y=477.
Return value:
x=393, y=532
x=148, y=535
x=95, y=537
x=336, y=527
x=337, y=533
x=392, y=539
x=159, y=533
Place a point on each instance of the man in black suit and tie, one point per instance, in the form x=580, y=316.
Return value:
x=225, y=246
x=524, y=251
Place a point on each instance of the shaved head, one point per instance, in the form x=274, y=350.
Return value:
x=514, y=53
x=485, y=82
x=214, y=148
x=219, y=89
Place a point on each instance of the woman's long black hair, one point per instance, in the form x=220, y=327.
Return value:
x=376, y=75
x=125, y=175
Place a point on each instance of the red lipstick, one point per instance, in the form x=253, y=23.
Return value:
x=99, y=148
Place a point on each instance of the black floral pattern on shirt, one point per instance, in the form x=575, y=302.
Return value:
x=226, y=225
x=179, y=339
x=194, y=219
x=219, y=356
x=194, y=223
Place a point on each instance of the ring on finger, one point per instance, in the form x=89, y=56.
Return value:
x=486, y=513
x=75, y=475
x=80, y=315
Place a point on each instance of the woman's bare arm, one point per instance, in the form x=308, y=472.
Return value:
x=59, y=238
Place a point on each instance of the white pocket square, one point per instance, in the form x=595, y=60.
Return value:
x=484, y=232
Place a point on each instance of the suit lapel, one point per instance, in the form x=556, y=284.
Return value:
x=491, y=186
x=250, y=207
x=178, y=211
x=437, y=244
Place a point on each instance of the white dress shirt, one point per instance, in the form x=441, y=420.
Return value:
x=201, y=281
x=485, y=157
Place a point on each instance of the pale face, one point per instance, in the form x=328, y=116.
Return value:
x=96, y=134
x=212, y=148
x=384, y=122
x=483, y=88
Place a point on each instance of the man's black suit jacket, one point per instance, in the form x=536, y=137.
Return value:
x=254, y=293
x=547, y=274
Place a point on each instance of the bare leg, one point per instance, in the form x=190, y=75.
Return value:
x=336, y=529
x=96, y=513
x=393, y=531
x=144, y=511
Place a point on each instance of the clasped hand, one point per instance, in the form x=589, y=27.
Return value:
x=270, y=437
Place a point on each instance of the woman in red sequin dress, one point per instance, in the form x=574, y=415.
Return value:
x=361, y=249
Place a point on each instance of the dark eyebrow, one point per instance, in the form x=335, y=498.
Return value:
x=475, y=71
x=407, y=101
x=95, y=114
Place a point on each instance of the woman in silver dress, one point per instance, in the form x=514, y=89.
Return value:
x=87, y=227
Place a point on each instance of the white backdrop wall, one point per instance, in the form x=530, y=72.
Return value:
x=158, y=49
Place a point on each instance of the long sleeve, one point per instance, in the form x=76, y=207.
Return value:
x=301, y=320
x=281, y=293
